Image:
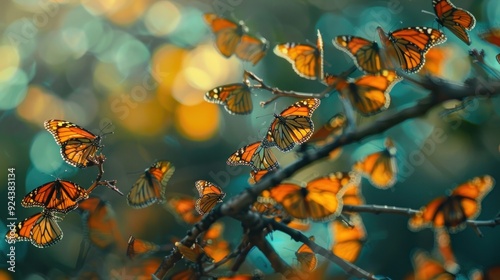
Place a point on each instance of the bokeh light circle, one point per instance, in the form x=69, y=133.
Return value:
x=198, y=122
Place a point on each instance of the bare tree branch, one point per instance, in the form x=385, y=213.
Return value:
x=441, y=90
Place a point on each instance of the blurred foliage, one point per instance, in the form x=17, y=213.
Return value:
x=140, y=69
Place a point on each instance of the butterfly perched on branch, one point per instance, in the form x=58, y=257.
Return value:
x=78, y=145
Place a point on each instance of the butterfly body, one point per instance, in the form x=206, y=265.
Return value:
x=455, y=19
x=78, y=145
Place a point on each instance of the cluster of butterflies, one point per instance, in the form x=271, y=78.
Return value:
x=78, y=148
x=403, y=49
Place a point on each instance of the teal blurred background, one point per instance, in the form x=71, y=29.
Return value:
x=140, y=69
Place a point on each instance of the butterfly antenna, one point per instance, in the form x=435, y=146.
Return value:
x=427, y=12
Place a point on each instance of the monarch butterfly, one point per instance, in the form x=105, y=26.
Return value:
x=348, y=241
x=150, y=187
x=306, y=60
x=140, y=247
x=306, y=257
x=59, y=196
x=210, y=195
x=365, y=53
x=231, y=37
x=320, y=200
x=334, y=126
x=369, y=94
x=99, y=223
x=455, y=19
x=408, y=46
x=217, y=249
x=380, y=168
x=235, y=98
x=41, y=229
x=435, y=61
x=251, y=48
x=78, y=145
x=192, y=254
x=183, y=207
x=258, y=155
x=491, y=36
x=452, y=211
x=293, y=126
x=426, y=267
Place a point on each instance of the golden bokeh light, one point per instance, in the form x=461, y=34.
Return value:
x=199, y=122
x=40, y=105
x=107, y=76
x=162, y=18
x=141, y=117
x=9, y=62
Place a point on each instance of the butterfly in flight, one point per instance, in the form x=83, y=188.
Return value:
x=99, y=223
x=403, y=48
x=139, y=247
x=258, y=155
x=183, y=207
x=58, y=196
x=306, y=257
x=41, y=229
x=368, y=94
x=380, y=167
x=453, y=211
x=306, y=59
x=210, y=195
x=78, y=145
x=348, y=240
x=236, y=98
x=455, y=19
x=293, y=126
x=151, y=186
x=491, y=36
x=232, y=38
x=320, y=200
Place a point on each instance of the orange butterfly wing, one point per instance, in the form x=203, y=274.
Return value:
x=41, y=229
x=306, y=257
x=454, y=210
x=348, y=241
x=306, y=60
x=455, y=19
x=257, y=155
x=427, y=268
x=78, y=145
x=334, y=127
x=151, y=186
x=365, y=53
x=491, y=36
x=210, y=195
x=293, y=125
x=140, y=247
x=251, y=48
x=408, y=46
x=184, y=207
x=236, y=98
x=59, y=195
x=380, y=168
x=369, y=94
x=227, y=33
x=256, y=175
